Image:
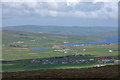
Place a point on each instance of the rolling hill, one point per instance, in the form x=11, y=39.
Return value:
x=66, y=30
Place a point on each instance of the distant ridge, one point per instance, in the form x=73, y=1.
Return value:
x=69, y=30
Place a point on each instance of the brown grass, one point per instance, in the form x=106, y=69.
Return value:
x=98, y=72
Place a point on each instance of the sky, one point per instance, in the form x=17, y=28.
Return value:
x=78, y=13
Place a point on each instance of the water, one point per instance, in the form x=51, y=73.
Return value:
x=106, y=41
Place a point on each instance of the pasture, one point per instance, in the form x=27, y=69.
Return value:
x=19, y=60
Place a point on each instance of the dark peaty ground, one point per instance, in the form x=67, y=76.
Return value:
x=97, y=72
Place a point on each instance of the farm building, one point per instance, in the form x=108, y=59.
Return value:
x=62, y=50
x=66, y=42
x=59, y=50
x=66, y=49
x=84, y=49
x=59, y=46
x=65, y=52
x=104, y=58
x=99, y=65
x=24, y=46
x=116, y=61
x=15, y=44
x=20, y=42
x=32, y=40
x=110, y=51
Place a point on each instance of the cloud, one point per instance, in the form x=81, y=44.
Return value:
x=94, y=9
x=89, y=6
x=59, y=1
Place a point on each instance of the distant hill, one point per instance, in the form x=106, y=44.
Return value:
x=11, y=36
x=99, y=31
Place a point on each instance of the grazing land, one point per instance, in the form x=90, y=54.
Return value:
x=41, y=40
x=23, y=51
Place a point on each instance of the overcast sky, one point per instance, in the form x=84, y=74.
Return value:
x=60, y=13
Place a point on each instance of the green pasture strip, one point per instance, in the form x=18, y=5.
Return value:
x=13, y=54
x=33, y=66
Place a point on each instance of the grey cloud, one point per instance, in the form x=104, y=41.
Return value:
x=89, y=6
x=59, y=9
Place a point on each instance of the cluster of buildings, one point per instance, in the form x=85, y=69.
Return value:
x=65, y=42
x=62, y=60
x=15, y=44
x=58, y=46
x=71, y=59
x=62, y=50
x=106, y=59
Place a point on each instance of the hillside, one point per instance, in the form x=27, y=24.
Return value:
x=66, y=30
x=96, y=72
x=42, y=40
x=46, y=38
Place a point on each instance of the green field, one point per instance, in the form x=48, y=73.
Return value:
x=10, y=53
x=20, y=59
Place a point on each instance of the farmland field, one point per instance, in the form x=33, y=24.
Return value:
x=20, y=60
